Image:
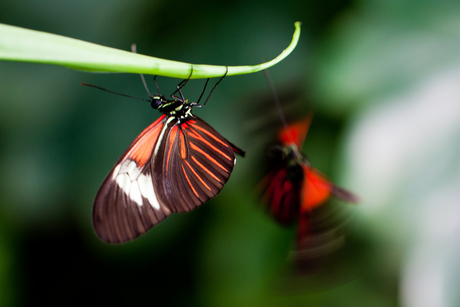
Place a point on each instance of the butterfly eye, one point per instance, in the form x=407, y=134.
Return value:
x=156, y=102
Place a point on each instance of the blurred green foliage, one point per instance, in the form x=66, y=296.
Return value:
x=359, y=66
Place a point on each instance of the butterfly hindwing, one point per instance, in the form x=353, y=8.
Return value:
x=282, y=196
x=197, y=162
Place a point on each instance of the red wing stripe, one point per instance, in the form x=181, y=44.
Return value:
x=198, y=137
x=205, y=169
x=201, y=180
x=189, y=183
x=210, y=134
x=181, y=189
x=172, y=138
x=194, y=147
x=182, y=145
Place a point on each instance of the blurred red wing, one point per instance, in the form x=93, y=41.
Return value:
x=282, y=196
x=344, y=195
x=126, y=204
x=318, y=233
x=315, y=191
x=197, y=162
x=295, y=132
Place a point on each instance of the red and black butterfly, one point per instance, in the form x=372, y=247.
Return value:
x=175, y=165
x=294, y=189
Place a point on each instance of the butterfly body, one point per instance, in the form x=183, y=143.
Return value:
x=294, y=189
x=175, y=165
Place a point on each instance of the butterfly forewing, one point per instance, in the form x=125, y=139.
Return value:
x=197, y=162
x=126, y=204
x=316, y=189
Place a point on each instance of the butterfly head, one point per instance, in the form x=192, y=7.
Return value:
x=156, y=101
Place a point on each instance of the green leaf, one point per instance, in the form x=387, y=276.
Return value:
x=19, y=44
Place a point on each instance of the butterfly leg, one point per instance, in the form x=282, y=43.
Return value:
x=180, y=86
x=204, y=89
x=209, y=96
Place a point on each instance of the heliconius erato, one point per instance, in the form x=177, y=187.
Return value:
x=176, y=164
x=294, y=189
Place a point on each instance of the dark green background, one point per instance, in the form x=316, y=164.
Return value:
x=58, y=140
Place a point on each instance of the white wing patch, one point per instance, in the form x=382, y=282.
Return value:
x=146, y=189
x=124, y=183
x=136, y=193
x=135, y=184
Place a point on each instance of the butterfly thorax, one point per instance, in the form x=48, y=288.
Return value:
x=292, y=154
x=294, y=160
x=172, y=107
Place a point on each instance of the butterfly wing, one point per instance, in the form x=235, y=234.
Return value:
x=172, y=166
x=319, y=233
x=126, y=204
x=317, y=190
x=197, y=162
x=295, y=133
x=282, y=194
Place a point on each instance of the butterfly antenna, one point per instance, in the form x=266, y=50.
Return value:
x=156, y=85
x=134, y=50
x=112, y=92
x=145, y=84
x=209, y=96
x=276, y=98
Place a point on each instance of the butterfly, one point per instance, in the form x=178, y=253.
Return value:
x=293, y=190
x=176, y=164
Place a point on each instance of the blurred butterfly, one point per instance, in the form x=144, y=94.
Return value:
x=293, y=190
x=176, y=164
